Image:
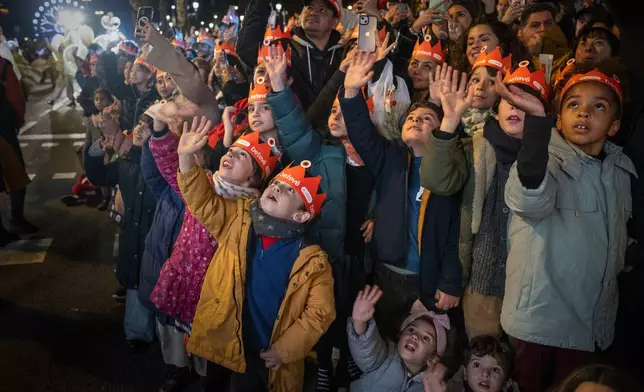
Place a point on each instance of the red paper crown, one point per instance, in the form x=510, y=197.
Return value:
x=224, y=47
x=275, y=34
x=426, y=52
x=257, y=93
x=141, y=61
x=494, y=60
x=264, y=53
x=598, y=77
x=259, y=150
x=306, y=187
x=535, y=80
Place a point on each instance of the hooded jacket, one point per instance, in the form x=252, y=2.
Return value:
x=133, y=102
x=307, y=307
x=311, y=67
x=567, y=242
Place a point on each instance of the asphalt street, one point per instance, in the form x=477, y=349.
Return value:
x=60, y=329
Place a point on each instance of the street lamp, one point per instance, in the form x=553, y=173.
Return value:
x=278, y=7
x=173, y=7
x=349, y=8
x=170, y=24
x=195, y=5
x=202, y=23
x=241, y=18
x=236, y=7
x=216, y=17
x=167, y=17
x=211, y=25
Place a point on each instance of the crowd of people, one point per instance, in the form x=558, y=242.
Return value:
x=450, y=212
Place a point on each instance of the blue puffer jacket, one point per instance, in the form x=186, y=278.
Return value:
x=168, y=218
x=300, y=143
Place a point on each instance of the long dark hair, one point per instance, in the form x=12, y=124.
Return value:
x=599, y=374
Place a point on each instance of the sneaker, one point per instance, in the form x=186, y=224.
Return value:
x=23, y=226
x=120, y=294
x=102, y=206
x=176, y=380
x=72, y=104
x=72, y=201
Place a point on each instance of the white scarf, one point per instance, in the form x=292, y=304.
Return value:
x=232, y=191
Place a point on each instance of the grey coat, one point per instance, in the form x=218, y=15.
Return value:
x=383, y=369
x=567, y=241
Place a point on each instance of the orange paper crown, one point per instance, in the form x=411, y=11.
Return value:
x=306, y=187
x=224, y=47
x=161, y=74
x=259, y=150
x=264, y=53
x=426, y=52
x=598, y=77
x=565, y=71
x=494, y=60
x=257, y=93
x=205, y=38
x=141, y=61
x=178, y=43
x=535, y=80
x=275, y=34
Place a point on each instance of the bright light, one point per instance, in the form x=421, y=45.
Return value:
x=236, y=8
x=211, y=25
x=241, y=18
x=195, y=5
x=207, y=29
x=202, y=23
x=37, y=14
x=216, y=16
x=53, y=1
x=170, y=24
x=46, y=4
x=35, y=21
x=160, y=23
x=75, y=4
x=167, y=17
x=173, y=7
x=278, y=7
x=349, y=8
x=82, y=7
x=41, y=8
x=68, y=1
x=26, y=39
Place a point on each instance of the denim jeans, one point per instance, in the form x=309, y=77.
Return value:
x=139, y=323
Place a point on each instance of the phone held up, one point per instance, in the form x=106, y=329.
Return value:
x=367, y=30
x=144, y=14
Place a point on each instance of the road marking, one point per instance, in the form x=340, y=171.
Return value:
x=49, y=145
x=53, y=137
x=27, y=127
x=79, y=144
x=64, y=176
x=31, y=251
x=31, y=176
x=23, y=145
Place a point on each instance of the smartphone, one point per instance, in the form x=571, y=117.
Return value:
x=144, y=14
x=367, y=31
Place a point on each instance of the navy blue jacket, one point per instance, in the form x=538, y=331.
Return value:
x=168, y=218
x=388, y=162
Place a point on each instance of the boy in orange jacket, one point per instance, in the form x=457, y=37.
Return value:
x=267, y=296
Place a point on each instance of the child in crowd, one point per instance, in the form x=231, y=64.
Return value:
x=479, y=167
x=178, y=289
x=486, y=367
x=419, y=259
x=165, y=85
x=268, y=295
x=569, y=196
x=412, y=364
x=139, y=203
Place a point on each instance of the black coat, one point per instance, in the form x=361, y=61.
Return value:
x=139, y=203
x=388, y=162
x=133, y=102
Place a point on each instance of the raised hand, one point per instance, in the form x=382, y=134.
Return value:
x=148, y=33
x=428, y=17
x=193, y=139
x=276, y=68
x=519, y=98
x=435, y=83
x=365, y=305
x=513, y=13
x=433, y=376
x=384, y=49
x=454, y=100
x=359, y=73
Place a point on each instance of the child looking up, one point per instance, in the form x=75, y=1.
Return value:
x=569, y=196
x=387, y=366
x=486, y=367
x=268, y=296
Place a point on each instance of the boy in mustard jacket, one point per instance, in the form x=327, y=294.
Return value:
x=267, y=296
